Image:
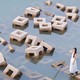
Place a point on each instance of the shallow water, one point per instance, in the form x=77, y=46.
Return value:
x=9, y=9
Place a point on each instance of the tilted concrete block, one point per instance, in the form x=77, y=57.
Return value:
x=72, y=9
x=18, y=35
x=32, y=40
x=48, y=2
x=20, y=21
x=47, y=48
x=34, y=51
x=58, y=18
x=60, y=6
x=37, y=21
x=2, y=60
x=31, y=11
x=45, y=27
x=11, y=71
x=61, y=26
x=72, y=16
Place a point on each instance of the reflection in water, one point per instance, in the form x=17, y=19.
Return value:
x=14, y=42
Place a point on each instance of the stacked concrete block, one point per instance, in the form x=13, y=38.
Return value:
x=71, y=9
x=20, y=21
x=11, y=71
x=32, y=40
x=45, y=27
x=4, y=42
x=60, y=6
x=47, y=48
x=71, y=13
x=18, y=35
x=60, y=26
x=2, y=60
x=37, y=21
x=48, y=2
x=31, y=11
x=34, y=51
x=58, y=18
x=72, y=16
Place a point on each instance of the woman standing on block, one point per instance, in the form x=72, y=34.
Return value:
x=73, y=65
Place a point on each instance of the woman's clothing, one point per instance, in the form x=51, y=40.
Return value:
x=73, y=67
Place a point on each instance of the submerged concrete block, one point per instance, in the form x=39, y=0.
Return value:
x=58, y=63
x=37, y=21
x=18, y=35
x=11, y=49
x=61, y=26
x=45, y=78
x=31, y=11
x=45, y=27
x=58, y=18
x=47, y=48
x=2, y=60
x=48, y=2
x=72, y=9
x=20, y=21
x=4, y=42
x=72, y=16
x=12, y=71
x=34, y=51
x=60, y=6
x=32, y=40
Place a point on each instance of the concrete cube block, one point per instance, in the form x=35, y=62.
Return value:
x=45, y=78
x=37, y=21
x=31, y=11
x=2, y=60
x=11, y=71
x=34, y=51
x=48, y=2
x=45, y=27
x=32, y=40
x=47, y=48
x=58, y=18
x=61, y=26
x=20, y=21
x=72, y=9
x=18, y=35
x=60, y=6
x=72, y=16
x=4, y=42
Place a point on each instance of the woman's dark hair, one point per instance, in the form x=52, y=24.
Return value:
x=75, y=51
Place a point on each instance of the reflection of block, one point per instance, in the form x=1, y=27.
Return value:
x=20, y=21
x=71, y=9
x=34, y=51
x=31, y=11
x=32, y=40
x=18, y=35
x=45, y=27
x=45, y=78
x=47, y=48
x=72, y=16
x=48, y=2
x=61, y=26
x=2, y=60
x=58, y=18
x=4, y=42
x=37, y=21
x=34, y=75
x=60, y=6
x=11, y=71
